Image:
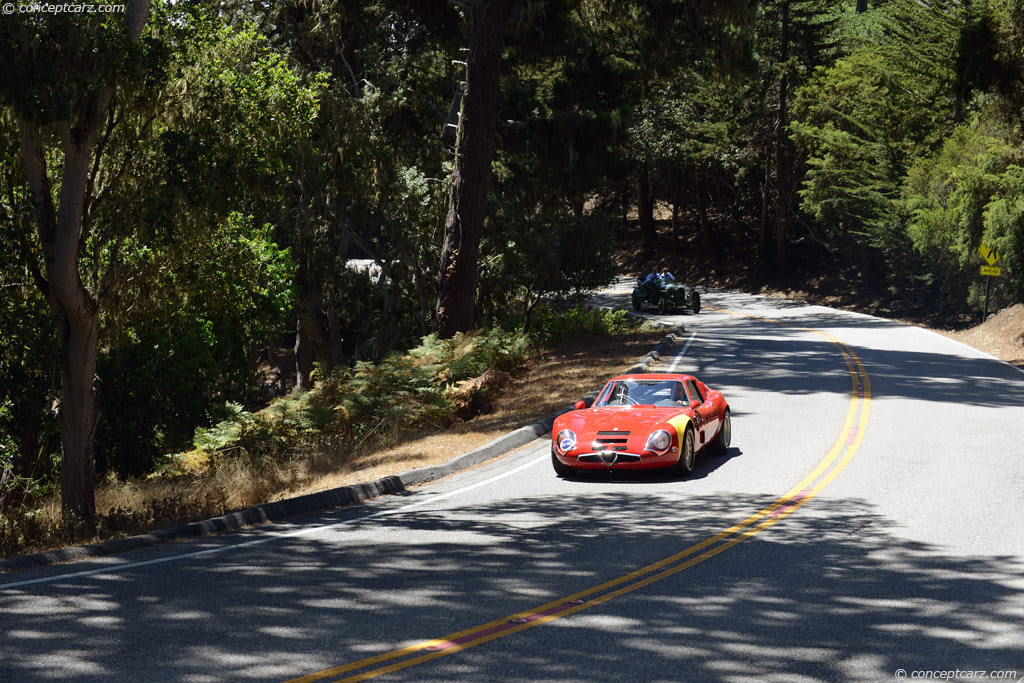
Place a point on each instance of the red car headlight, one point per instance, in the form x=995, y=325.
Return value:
x=565, y=441
x=659, y=441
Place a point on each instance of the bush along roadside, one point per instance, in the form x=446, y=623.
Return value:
x=254, y=456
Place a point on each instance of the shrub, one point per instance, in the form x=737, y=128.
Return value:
x=550, y=327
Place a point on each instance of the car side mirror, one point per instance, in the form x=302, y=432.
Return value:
x=694, y=403
x=580, y=405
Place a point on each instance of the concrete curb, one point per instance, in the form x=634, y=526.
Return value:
x=322, y=501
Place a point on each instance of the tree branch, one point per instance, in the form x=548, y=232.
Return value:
x=341, y=53
x=112, y=122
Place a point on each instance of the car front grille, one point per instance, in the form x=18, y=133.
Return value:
x=615, y=441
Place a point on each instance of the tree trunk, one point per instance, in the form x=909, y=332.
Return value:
x=625, y=207
x=76, y=309
x=79, y=413
x=645, y=207
x=705, y=224
x=387, y=334
x=781, y=151
x=420, y=283
x=529, y=302
x=28, y=452
x=676, y=192
x=313, y=334
x=303, y=357
x=336, y=338
x=862, y=6
x=471, y=177
x=766, y=200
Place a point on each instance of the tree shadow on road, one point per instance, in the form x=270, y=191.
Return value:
x=833, y=592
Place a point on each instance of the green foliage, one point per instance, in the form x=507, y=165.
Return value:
x=28, y=361
x=1004, y=229
x=251, y=437
x=187, y=348
x=551, y=326
x=431, y=384
x=373, y=401
x=860, y=123
x=552, y=253
x=968, y=192
x=9, y=481
x=991, y=56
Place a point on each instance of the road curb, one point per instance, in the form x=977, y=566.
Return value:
x=324, y=500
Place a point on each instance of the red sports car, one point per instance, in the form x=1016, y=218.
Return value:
x=642, y=422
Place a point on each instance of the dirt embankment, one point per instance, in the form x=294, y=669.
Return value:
x=1002, y=335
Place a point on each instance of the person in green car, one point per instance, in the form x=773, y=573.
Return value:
x=665, y=275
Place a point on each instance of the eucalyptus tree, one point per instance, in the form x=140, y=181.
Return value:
x=159, y=135
x=70, y=69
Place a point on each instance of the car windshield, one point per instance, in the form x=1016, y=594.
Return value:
x=642, y=392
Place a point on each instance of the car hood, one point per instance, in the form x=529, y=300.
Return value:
x=641, y=419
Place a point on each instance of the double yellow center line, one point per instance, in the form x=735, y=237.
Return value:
x=831, y=465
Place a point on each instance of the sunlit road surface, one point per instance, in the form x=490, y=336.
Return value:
x=866, y=521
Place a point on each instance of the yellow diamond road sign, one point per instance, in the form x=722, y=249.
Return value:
x=994, y=271
x=990, y=255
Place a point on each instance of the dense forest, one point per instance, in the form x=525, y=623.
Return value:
x=191, y=191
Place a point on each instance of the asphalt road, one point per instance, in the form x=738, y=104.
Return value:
x=867, y=520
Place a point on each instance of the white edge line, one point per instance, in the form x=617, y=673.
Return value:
x=679, y=356
x=275, y=536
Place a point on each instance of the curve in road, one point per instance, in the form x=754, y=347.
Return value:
x=848, y=441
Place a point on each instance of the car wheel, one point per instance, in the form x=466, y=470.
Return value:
x=562, y=470
x=687, y=455
x=721, y=443
x=636, y=302
x=695, y=300
x=662, y=305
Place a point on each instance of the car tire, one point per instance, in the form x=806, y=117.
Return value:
x=562, y=470
x=662, y=305
x=636, y=302
x=695, y=301
x=687, y=455
x=721, y=442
